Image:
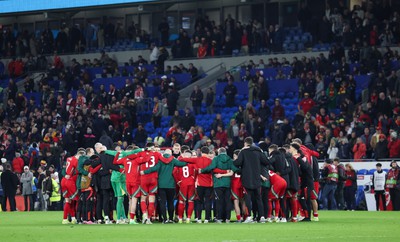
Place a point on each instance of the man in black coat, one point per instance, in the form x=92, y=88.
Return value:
x=197, y=98
x=250, y=161
x=107, y=167
x=230, y=92
x=188, y=120
x=293, y=186
x=172, y=100
x=9, y=182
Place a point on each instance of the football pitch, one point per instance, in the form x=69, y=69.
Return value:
x=333, y=226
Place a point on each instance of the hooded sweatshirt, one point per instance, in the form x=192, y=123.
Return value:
x=223, y=162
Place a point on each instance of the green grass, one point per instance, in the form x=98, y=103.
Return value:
x=333, y=226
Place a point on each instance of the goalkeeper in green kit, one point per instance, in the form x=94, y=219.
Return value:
x=118, y=181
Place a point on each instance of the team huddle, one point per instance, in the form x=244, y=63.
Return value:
x=278, y=184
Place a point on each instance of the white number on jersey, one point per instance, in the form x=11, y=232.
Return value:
x=237, y=175
x=152, y=162
x=271, y=173
x=130, y=166
x=185, y=171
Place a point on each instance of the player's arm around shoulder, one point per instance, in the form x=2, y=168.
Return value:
x=211, y=167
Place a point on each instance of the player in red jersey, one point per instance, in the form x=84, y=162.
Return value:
x=148, y=182
x=204, y=184
x=131, y=165
x=186, y=177
x=276, y=193
x=68, y=186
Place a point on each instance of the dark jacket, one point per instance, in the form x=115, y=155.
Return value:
x=104, y=172
x=9, y=182
x=280, y=165
x=293, y=174
x=250, y=161
x=223, y=162
x=381, y=150
x=196, y=98
x=305, y=172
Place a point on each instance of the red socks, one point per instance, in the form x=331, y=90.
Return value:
x=238, y=217
x=132, y=216
x=66, y=210
x=151, y=209
x=143, y=206
x=181, y=208
x=293, y=203
x=315, y=215
x=190, y=209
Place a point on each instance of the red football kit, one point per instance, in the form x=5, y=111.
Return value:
x=68, y=185
x=131, y=165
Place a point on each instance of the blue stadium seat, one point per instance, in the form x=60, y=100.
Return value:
x=362, y=172
x=371, y=172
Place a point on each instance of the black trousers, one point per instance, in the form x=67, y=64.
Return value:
x=253, y=196
x=99, y=205
x=264, y=198
x=378, y=195
x=166, y=199
x=11, y=199
x=350, y=198
x=339, y=195
x=305, y=198
x=223, y=202
x=395, y=198
x=204, y=194
x=30, y=197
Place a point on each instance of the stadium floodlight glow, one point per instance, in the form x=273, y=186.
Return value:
x=16, y=6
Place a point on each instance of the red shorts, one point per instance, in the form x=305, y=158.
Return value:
x=133, y=189
x=277, y=191
x=186, y=192
x=148, y=186
x=237, y=192
x=69, y=190
x=291, y=193
x=314, y=193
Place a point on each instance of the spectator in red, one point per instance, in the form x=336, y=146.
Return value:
x=18, y=68
x=394, y=146
x=11, y=67
x=57, y=62
x=221, y=136
x=322, y=117
x=278, y=112
x=359, y=150
x=373, y=36
x=18, y=164
x=306, y=104
x=202, y=50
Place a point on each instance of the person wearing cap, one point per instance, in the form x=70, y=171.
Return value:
x=9, y=182
x=394, y=145
x=27, y=192
x=306, y=104
x=381, y=148
x=278, y=111
x=393, y=184
x=378, y=186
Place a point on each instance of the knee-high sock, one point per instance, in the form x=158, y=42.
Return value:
x=120, y=208
x=66, y=210
x=293, y=204
x=181, y=208
x=190, y=209
x=151, y=209
x=143, y=206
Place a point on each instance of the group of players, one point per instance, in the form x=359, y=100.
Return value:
x=273, y=185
